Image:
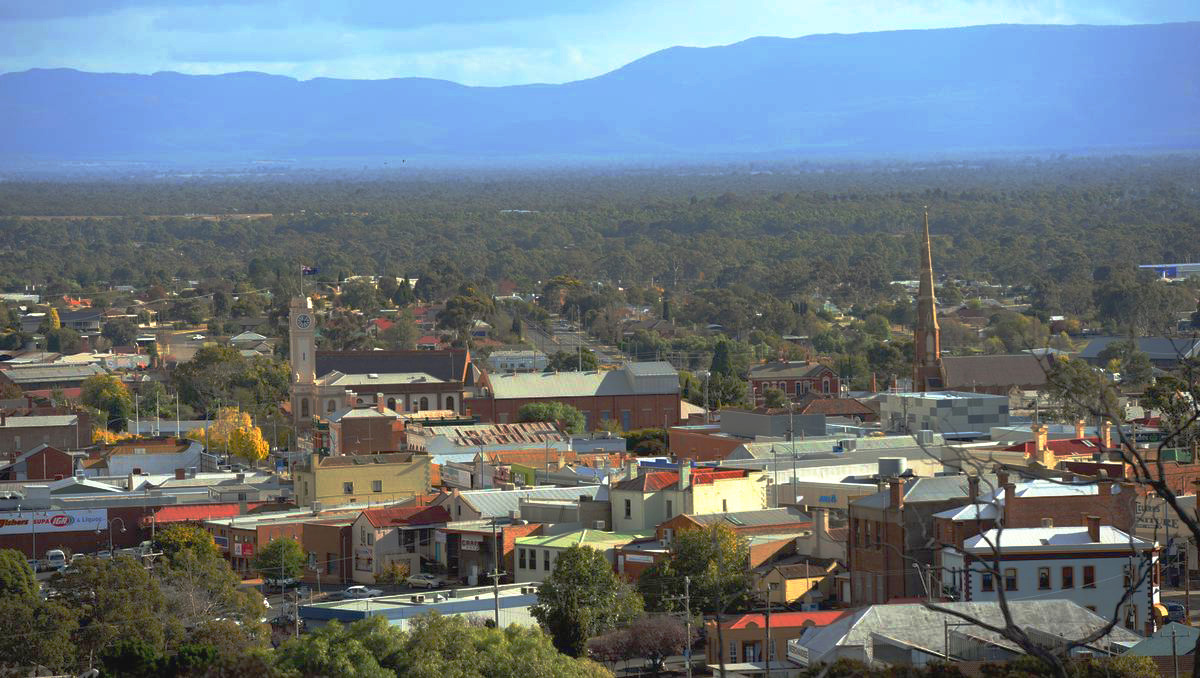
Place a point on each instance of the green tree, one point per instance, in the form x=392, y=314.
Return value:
x=568, y=417
x=220, y=305
x=218, y=374
x=722, y=365
x=715, y=559
x=877, y=326
x=173, y=539
x=63, y=340
x=437, y=646
x=16, y=577
x=403, y=333
x=774, y=397
x=360, y=295
x=572, y=361
x=37, y=632
x=282, y=558
x=582, y=598
x=106, y=393
x=120, y=331
x=353, y=650
x=131, y=658
x=1124, y=357
x=112, y=599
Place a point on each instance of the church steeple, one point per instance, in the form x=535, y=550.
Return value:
x=928, y=372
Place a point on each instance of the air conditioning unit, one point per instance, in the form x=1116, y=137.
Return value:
x=529, y=590
x=419, y=598
x=317, y=507
x=600, y=525
x=79, y=474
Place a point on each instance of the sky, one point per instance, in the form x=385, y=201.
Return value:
x=474, y=42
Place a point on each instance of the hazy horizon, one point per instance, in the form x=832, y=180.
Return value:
x=474, y=43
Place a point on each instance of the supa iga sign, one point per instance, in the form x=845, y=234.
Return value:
x=52, y=521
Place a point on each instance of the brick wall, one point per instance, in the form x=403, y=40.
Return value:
x=1115, y=505
x=700, y=446
x=509, y=536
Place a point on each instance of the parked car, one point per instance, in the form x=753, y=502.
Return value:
x=1176, y=612
x=424, y=581
x=104, y=555
x=56, y=559
x=280, y=583
x=35, y=565
x=362, y=592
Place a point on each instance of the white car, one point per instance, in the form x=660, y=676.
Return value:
x=424, y=581
x=362, y=592
x=197, y=337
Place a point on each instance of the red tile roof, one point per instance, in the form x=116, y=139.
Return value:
x=407, y=515
x=382, y=324
x=1067, y=447
x=789, y=619
x=196, y=513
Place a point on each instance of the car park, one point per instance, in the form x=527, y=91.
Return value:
x=423, y=580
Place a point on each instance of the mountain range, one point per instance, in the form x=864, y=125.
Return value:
x=1000, y=88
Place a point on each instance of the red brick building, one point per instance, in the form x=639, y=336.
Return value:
x=795, y=378
x=638, y=395
x=43, y=462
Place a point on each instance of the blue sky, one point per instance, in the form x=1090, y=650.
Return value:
x=477, y=42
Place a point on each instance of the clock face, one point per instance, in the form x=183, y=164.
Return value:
x=304, y=321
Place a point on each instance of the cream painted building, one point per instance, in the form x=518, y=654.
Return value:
x=362, y=479
x=641, y=503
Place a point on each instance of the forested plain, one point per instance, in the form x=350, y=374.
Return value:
x=1057, y=226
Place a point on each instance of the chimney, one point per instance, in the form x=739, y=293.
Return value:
x=1041, y=450
x=1104, y=484
x=1001, y=477
x=1010, y=496
x=180, y=474
x=129, y=483
x=631, y=469
x=243, y=507
x=1047, y=522
x=3, y=418
x=973, y=489
x=685, y=474
x=1093, y=525
x=1080, y=425
x=380, y=404
x=1106, y=435
x=896, y=486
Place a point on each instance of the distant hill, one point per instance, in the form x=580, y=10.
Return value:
x=1001, y=88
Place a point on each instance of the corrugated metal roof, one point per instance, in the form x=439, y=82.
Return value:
x=1051, y=537
x=498, y=503
x=556, y=385
x=41, y=420
x=24, y=374
x=774, y=516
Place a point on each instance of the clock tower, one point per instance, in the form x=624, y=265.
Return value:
x=302, y=329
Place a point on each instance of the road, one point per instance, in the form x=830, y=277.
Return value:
x=569, y=337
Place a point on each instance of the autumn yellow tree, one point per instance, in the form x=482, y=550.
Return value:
x=248, y=443
x=52, y=319
x=221, y=429
x=104, y=436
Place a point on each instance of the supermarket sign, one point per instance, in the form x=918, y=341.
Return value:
x=51, y=521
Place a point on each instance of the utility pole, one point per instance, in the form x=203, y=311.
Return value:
x=767, y=650
x=1187, y=586
x=687, y=621
x=496, y=573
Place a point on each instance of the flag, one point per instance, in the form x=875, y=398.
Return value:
x=308, y=270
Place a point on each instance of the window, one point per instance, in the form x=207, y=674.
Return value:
x=449, y=403
x=348, y=488
x=733, y=651
x=1043, y=578
x=424, y=404
x=626, y=420
x=377, y=486
x=331, y=560
x=1089, y=577
x=724, y=506
x=670, y=509
x=331, y=406
x=605, y=415
x=391, y=403
x=1010, y=579
x=521, y=557
x=546, y=560
x=1068, y=577
x=987, y=583
x=628, y=508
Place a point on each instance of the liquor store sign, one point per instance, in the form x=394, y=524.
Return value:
x=51, y=521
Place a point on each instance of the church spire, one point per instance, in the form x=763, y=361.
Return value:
x=928, y=372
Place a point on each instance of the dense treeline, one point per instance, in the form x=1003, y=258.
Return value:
x=782, y=233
